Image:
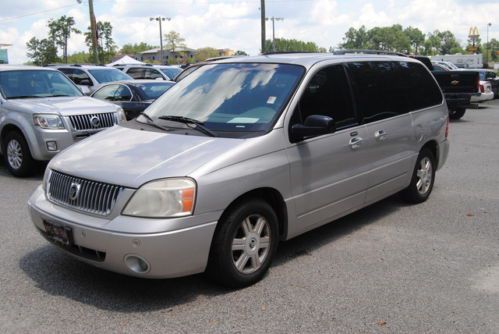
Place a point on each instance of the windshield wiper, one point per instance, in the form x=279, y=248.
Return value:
x=186, y=120
x=25, y=97
x=59, y=95
x=151, y=122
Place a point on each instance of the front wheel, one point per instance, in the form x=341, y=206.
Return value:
x=423, y=178
x=17, y=156
x=244, y=244
x=457, y=113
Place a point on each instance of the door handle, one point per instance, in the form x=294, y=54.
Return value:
x=380, y=135
x=355, y=143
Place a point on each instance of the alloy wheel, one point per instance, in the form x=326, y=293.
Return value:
x=424, y=175
x=14, y=154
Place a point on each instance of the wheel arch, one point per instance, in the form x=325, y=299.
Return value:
x=433, y=146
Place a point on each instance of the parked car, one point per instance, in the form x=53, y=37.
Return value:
x=447, y=64
x=42, y=112
x=239, y=156
x=157, y=72
x=133, y=96
x=491, y=77
x=89, y=77
x=486, y=92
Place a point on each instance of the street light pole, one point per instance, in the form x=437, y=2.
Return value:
x=273, y=19
x=487, y=48
x=159, y=19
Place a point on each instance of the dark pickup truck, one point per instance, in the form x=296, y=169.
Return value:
x=458, y=87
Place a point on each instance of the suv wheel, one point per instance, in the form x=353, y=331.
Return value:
x=423, y=178
x=244, y=245
x=457, y=113
x=16, y=154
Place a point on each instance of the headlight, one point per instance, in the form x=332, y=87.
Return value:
x=46, y=177
x=163, y=199
x=46, y=121
x=121, y=116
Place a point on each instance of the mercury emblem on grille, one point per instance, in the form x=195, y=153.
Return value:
x=95, y=121
x=74, y=191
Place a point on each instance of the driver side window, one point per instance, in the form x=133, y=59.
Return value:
x=328, y=94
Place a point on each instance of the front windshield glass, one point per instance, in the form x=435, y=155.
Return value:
x=36, y=84
x=153, y=90
x=103, y=75
x=171, y=72
x=231, y=98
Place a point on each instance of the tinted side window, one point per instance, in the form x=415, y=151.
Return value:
x=153, y=74
x=328, y=93
x=123, y=93
x=136, y=73
x=106, y=93
x=79, y=75
x=424, y=91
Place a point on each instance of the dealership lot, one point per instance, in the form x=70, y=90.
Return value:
x=433, y=267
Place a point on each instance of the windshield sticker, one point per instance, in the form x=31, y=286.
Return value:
x=244, y=120
x=271, y=100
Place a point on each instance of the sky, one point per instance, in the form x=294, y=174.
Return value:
x=235, y=24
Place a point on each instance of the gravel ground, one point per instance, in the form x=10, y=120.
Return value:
x=389, y=268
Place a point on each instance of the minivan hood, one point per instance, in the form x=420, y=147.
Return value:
x=64, y=106
x=132, y=157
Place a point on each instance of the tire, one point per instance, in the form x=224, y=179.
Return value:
x=417, y=193
x=16, y=155
x=457, y=113
x=235, y=268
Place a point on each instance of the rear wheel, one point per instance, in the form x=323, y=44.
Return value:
x=16, y=154
x=423, y=178
x=457, y=113
x=244, y=245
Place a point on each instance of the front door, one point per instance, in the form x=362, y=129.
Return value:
x=327, y=172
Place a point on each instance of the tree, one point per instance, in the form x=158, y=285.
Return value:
x=42, y=51
x=240, y=53
x=355, y=39
x=132, y=49
x=205, y=53
x=290, y=45
x=389, y=39
x=416, y=38
x=106, y=46
x=81, y=57
x=174, y=41
x=60, y=30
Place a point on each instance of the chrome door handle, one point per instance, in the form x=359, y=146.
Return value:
x=380, y=135
x=355, y=143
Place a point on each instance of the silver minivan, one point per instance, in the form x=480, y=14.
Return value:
x=240, y=155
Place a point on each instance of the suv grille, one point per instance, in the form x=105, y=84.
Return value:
x=93, y=121
x=81, y=194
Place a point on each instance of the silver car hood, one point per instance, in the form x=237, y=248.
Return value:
x=63, y=106
x=131, y=157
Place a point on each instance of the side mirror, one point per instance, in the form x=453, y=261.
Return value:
x=314, y=125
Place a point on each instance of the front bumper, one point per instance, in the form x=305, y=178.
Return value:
x=175, y=253
x=62, y=138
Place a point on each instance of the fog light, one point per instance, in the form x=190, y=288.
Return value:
x=136, y=264
x=52, y=145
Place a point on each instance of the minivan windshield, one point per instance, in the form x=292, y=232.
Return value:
x=231, y=100
x=23, y=84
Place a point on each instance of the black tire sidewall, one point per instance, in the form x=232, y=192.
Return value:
x=27, y=164
x=457, y=113
x=221, y=266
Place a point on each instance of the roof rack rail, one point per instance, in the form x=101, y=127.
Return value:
x=284, y=52
x=370, y=52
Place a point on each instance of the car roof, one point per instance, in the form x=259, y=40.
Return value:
x=139, y=81
x=6, y=67
x=88, y=67
x=309, y=59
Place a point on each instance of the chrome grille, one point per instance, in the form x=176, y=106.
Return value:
x=92, y=121
x=94, y=197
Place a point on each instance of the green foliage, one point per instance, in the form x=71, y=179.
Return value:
x=174, y=41
x=60, y=31
x=441, y=42
x=240, y=53
x=106, y=47
x=290, y=45
x=42, y=51
x=132, y=49
x=80, y=58
x=205, y=53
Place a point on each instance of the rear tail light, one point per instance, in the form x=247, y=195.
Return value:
x=482, y=89
x=447, y=128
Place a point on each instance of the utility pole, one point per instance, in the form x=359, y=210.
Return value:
x=93, y=30
x=487, y=48
x=273, y=19
x=159, y=19
x=262, y=18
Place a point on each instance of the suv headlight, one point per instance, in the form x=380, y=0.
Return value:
x=48, y=121
x=121, y=116
x=166, y=198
